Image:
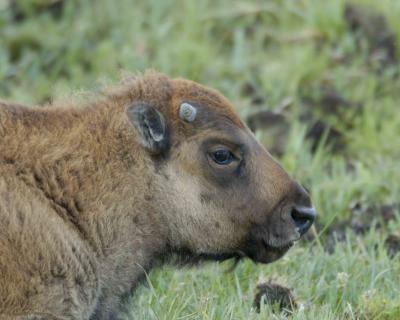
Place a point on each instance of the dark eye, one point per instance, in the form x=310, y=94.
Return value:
x=222, y=156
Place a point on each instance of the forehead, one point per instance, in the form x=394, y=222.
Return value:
x=213, y=108
x=216, y=118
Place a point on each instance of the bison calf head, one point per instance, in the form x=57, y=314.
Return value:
x=220, y=193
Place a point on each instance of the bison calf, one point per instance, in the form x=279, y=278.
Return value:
x=93, y=196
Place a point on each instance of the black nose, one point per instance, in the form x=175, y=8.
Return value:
x=303, y=218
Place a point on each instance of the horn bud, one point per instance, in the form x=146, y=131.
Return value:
x=187, y=112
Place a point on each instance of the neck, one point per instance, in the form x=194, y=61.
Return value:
x=84, y=164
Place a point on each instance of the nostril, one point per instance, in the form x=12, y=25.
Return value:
x=303, y=218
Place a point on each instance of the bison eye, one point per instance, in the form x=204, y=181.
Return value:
x=222, y=156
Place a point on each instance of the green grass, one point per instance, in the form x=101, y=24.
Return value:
x=281, y=49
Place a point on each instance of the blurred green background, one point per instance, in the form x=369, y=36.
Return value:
x=318, y=81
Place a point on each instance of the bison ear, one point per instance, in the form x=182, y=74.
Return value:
x=151, y=126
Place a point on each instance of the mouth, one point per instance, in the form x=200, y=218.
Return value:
x=285, y=246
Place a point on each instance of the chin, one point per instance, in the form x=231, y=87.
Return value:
x=269, y=255
x=261, y=252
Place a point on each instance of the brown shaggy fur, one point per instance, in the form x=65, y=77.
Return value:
x=85, y=210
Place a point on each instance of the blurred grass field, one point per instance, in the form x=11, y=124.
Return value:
x=305, y=62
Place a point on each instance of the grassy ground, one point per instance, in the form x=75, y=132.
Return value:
x=302, y=61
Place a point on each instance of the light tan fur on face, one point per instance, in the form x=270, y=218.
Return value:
x=85, y=210
x=201, y=227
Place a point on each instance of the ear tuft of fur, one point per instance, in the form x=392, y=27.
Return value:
x=151, y=126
